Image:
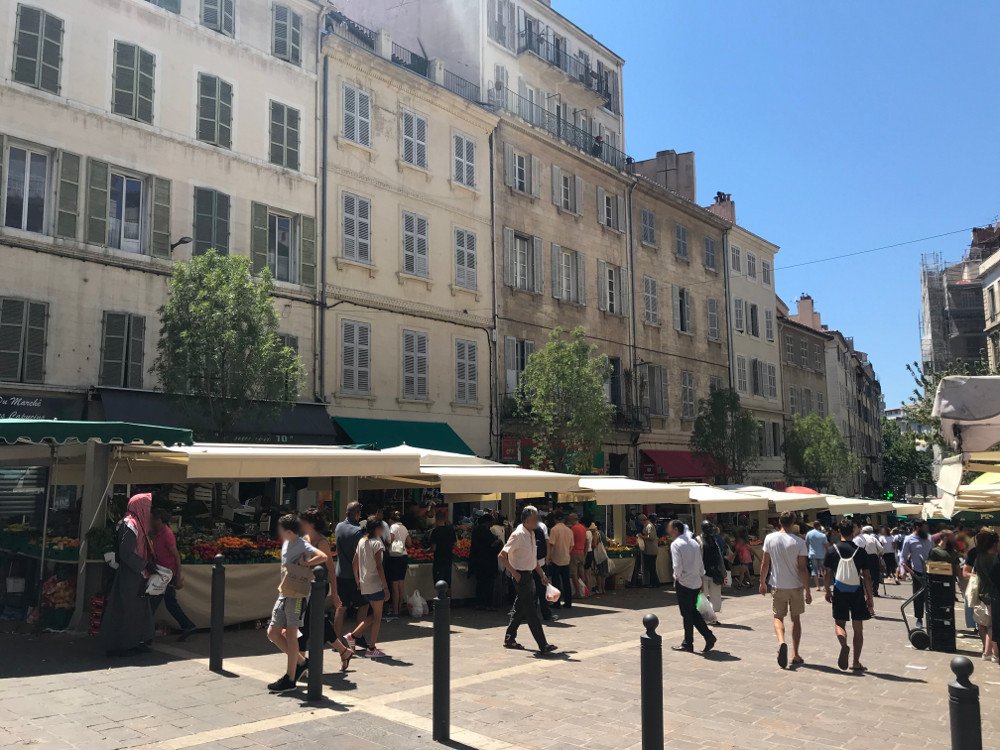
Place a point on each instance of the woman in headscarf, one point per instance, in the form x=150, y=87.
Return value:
x=127, y=626
x=483, y=560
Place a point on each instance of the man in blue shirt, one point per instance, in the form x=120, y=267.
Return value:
x=913, y=559
x=817, y=544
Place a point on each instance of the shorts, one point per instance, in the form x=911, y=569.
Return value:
x=588, y=563
x=816, y=567
x=575, y=559
x=350, y=595
x=378, y=596
x=788, y=601
x=288, y=612
x=397, y=567
x=850, y=605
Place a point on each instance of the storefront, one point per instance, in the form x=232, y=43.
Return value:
x=675, y=466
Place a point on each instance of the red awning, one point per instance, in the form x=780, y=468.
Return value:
x=678, y=466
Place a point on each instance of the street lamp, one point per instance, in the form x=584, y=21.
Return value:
x=182, y=241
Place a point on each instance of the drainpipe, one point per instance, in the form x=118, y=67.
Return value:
x=632, y=329
x=495, y=446
x=729, y=308
x=321, y=311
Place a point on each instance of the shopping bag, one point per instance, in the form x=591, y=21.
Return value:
x=582, y=588
x=552, y=594
x=157, y=583
x=417, y=605
x=706, y=610
x=728, y=581
x=296, y=581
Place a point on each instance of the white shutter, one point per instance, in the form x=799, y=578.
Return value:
x=578, y=196
x=422, y=249
x=409, y=243
x=738, y=314
x=510, y=364
x=675, y=294
x=600, y=205
x=420, y=136
x=557, y=280
x=364, y=231
x=409, y=364
x=557, y=185
x=364, y=118
x=350, y=226
x=537, y=263
x=623, y=293
x=602, y=285
x=349, y=362
x=472, y=357
x=509, y=265
x=536, y=177
x=620, y=216
x=461, y=373
x=581, y=278
x=409, y=145
x=689, y=317
x=509, y=168
x=350, y=122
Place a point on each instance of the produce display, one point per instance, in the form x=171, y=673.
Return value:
x=199, y=548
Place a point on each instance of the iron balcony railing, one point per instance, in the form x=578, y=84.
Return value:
x=352, y=31
x=413, y=61
x=537, y=115
x=632, y=418
x=458, y=85
x=559, y=57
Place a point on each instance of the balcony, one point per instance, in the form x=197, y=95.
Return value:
x=575, y=68
x=567, y=132
x=631, y=418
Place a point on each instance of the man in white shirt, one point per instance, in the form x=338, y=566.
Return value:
x=784, y=566
x=685, y=554
x=520, y=559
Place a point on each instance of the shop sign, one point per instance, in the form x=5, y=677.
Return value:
x=19, y=405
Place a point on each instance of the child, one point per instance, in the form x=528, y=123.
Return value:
x=286, y=619
x=743, y=561
x=369, y=574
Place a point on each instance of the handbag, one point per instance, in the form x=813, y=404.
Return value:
x=972, y=591
x=296, y=581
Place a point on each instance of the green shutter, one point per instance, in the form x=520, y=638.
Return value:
x=258, y=236
x=123, y=89
x=51, y=54
x=68, y=196
x=307, y=257
x=208, y=107
x=159, y=245
x=136, y=350
x=3, y=155
x=277, y=133
x=27, y=45
x=113, y=343
x=295, y=39
x=222, y=223
x=34, y=343
x=11, y=338
x=225, y=115
x=291, y=138
x=204, y=220
x=144, y=87
x=98, y=174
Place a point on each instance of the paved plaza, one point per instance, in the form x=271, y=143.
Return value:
x=56, y=691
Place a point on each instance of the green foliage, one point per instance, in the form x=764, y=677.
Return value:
x=902, y=463
x=561, y=395
x=219, y=342
x=817, y=453
x=925, y=385
x=727, y=433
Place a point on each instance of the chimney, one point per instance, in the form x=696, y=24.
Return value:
x=674, y=171
x=724, y=206
x=806, y=314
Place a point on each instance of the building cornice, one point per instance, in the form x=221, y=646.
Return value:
x=371, y=301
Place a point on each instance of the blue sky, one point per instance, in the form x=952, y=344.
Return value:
x=837, y=127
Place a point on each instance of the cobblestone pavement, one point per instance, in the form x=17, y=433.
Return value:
x=56, y=691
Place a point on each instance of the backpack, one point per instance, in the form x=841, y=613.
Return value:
x=847, y=578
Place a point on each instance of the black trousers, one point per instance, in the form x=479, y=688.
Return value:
x=687, y=601
x=484, y=587
x=649, y=563
x=919, y=584
x=543, y=603
x=560, y=579
x=525, y=610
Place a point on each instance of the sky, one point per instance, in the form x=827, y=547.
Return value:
x=837, y=128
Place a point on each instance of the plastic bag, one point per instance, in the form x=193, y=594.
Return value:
x=582, y=588
x=156, y=584
x=552, y=594
x=706, y=610
x=728, y=581
x=417, y=605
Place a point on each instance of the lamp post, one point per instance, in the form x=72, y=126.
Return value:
x=182, y=241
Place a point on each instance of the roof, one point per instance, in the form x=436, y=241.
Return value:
x=58, y=432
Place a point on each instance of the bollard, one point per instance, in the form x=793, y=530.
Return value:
x=651, y=682
x=963, y=705
x=317, y=616
x=442, y=664
x=218, y=615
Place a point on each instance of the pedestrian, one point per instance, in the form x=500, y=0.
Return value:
x=347, y=535
x=913, y=560
x=865, y=537
x=994, y=576
x=483, y=560
x=578, y=555
x=715, y=566
x=314, y=531
x=689, y=570
x=369, y=575
x=888, y=542
x=442, y=541
x=784, y=567
x=601, y=566
x=297, y=560
x=166, y=555
x=743, y=561
x=848, y=573
x=817, y=545
x=560, y=555
x=650, y=544
x=519, y=557
x=127, y=626
x=983, y=558
x=398, y=563
x=899, y=535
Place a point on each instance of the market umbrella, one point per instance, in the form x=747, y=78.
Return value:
x=797, y=489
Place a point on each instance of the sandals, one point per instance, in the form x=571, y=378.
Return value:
x=859, y=668
x=345, y=658
x=845, y=652
x=513, y=646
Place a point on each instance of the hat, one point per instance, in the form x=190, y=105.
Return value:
x=867, y=530
x=593, y=527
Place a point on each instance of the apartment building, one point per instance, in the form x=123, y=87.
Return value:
x=989, y=277
x=803, y=366
x=135, y=133
x=409, y=277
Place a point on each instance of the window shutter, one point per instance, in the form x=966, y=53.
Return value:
x=291, y=138
x=34, y=343
x=159, y=246
x=536, y=177
x=307, y=251
x=113, y=348
x=258, y=236
x=472, y=372
x=687, y=310
x=470, y=162
x=675, y=294
x=67, y=195
x=363, y=344
x=225, y=137
x=208, y=100
x=221, y=238
x=409, y=364
x=581, y=278
x=364, y=118
x=509, y=269
x=409, y=243
x=602, y=285
x=211, y=13
x=461, y=373
x=557, y=290
x=537, y=262
x=50, y=57
x=27, y=42
x=144, y=86
x=578, y=196
x=556, y=185
x=12, y=330
x=423, y=250
x=123, y=89
x=350, y=113
x=286, y=34
x=623, y=293
x=364, y=230
x=277, y=134
x=228, y=17
x=136, y=350
x=98, y=174
x=510, y=363
x=409, y=127
x=601, y=196
x=620, y=216
x=204, y=220
x=348, y=358
x=421, y=138
x=508, y=160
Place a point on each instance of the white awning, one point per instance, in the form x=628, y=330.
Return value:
x=485, y=480
x=842, y=505
x=782, y=501
x=969, y=408
x=430, y=457
x=907, y=509
x=624, y=491
x=717, y=500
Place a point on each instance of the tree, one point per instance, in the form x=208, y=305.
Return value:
x=817, y=453
x=219, y=345
x=561, y=395
x=727, y=433
x=902, y=462
x=925, y=385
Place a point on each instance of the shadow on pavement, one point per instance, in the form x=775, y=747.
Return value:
x=720, y=656
x=731, y=626
x=62, y=653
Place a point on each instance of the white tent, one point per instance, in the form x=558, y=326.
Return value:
x=842, y=505
x=624, y=491
x=782, y=501
x=969, y=408
x=718, y=500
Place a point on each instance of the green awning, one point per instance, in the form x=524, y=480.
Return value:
x=388, y=433
x=61, y=432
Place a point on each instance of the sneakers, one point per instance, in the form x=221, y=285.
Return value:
x=301, y=669
x=283, y=685
x=919, y=624
x=376, y=653
x=360, y=642
x=709, y=644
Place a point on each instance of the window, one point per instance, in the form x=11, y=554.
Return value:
x=741, y=373
x=821, y=404
x=122, y=343
x=751, y=266
x=500, y=24
x=738, y=322
x=772, y=381
x=466, y=373
x=713, y=318
x=653, y=389
x=687, y=395
x=682, y=304
x=414, y=139
x=286, y=34
x=465, y=161
x=611, y=283
x=765, y=272
x=793, y=400
x=610, y=209
x=465, y=259
x=282, y=258
x=753, y=322
x=357, y=228
x=807, y=401
x=522, y=171
x=789, y=348
x=284, y=243
x=415, y=245
x=219, y=15
x=736, y=254
x=803, y=353
x=568, y=275
x=567, y=189
x=515, y=355
x=134, y=73
x=23, y=326
x=769, y=325
x=415, y=365
x=992, y=302
x=522, y=261
x=681, y=246
x=211, y=221
x=284, y=136
x=650, y=301
x=776, y=437
x=521, y=176
x=817, y=358
x=38, y=49
x=357, y=122
x=215, y=110
x=756, y=377
x=174, y=6
x=648, y=227
x=714, y=383
x=27, y=189
x=709, y=253
x=126, y=212
x=355, y=360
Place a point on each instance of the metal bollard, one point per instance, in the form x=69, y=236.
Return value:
x=651, y=681
x=218, y=615
x=442, y=664
x=963, y=705
x=317, y=615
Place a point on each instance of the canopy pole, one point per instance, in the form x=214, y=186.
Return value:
x=49, y=485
